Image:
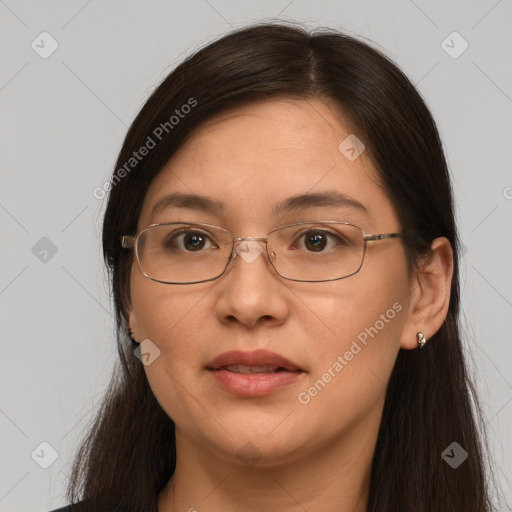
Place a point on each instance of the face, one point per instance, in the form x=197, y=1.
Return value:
x=343, y=335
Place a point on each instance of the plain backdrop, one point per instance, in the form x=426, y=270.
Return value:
x=63, y=118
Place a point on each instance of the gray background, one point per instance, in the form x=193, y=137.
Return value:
x=62, y=122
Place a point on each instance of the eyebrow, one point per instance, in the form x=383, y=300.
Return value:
x=291, y=204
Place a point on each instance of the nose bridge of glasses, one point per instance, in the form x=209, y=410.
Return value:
x=242, y=238
x=261, y=241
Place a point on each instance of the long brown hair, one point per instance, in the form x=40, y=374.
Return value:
x=129, y=452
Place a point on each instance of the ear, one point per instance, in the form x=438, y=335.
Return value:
x=429, y=294
x=132, y=322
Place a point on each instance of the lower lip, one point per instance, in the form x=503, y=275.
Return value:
x=254, y=384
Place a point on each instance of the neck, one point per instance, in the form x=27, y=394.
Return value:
x=334, y=477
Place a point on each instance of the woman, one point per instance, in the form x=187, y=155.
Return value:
x=284, y=257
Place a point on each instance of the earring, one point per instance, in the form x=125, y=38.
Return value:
x=421, y=339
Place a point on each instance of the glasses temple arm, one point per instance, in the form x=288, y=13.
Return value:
x=128, y=242
x=383, y=236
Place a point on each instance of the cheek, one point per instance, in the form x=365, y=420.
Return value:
x=355, y=336
x=356, y=309
x=351, y=368
x=172, y=322
x=165, y=312
x=174, y=319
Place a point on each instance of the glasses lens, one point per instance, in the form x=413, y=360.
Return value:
x=183, y=252
x=317, y=252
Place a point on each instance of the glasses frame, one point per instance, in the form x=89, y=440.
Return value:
x=131, y=242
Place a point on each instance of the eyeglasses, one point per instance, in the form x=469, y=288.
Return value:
x=193, y=252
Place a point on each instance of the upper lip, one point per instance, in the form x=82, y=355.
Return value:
x=254, y=358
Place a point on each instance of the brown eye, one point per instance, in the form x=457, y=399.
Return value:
x=315, y=240
x=190, y=241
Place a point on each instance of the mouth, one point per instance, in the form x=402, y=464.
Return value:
x=258, y=361
x=253, y=374
x=256, y=369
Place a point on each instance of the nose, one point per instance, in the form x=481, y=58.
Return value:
x=251, y=291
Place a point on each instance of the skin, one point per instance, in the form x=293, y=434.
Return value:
x=313, y=456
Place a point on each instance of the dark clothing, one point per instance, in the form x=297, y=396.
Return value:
x=86, y=507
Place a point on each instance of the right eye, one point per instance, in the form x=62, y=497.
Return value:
x=188, y=240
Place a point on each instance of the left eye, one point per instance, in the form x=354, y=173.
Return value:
x=317, y=241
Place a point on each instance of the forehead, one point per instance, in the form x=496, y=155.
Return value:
x=252, y=158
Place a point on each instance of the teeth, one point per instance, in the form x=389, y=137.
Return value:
x=239, y=368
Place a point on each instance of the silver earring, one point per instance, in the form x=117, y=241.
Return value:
x=421, y=339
